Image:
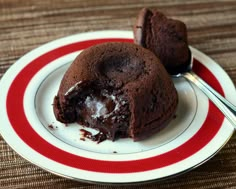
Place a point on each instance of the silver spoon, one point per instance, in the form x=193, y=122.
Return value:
x=227, y=108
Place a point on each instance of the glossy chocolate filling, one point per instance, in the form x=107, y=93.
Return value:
x=104, y=110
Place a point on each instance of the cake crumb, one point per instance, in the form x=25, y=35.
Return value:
x=50, y=127
x=99, y=137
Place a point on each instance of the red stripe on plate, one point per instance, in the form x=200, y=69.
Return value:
x=24, y=130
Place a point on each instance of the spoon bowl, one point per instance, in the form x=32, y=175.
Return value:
x=226, y=107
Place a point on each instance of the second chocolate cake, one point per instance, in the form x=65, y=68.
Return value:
x=120, y=89
x=165, y=37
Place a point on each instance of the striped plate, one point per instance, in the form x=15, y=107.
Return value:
x=29, y=127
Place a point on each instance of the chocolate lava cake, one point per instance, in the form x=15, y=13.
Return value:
x=120, y=89
x=165, y=37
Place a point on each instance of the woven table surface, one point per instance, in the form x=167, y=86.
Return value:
x=25, y=25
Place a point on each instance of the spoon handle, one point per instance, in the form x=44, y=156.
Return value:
x=228, y=109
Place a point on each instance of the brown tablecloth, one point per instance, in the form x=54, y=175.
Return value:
x=24, y=25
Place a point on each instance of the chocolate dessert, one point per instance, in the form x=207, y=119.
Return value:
x=165, y=37
x=120, y=89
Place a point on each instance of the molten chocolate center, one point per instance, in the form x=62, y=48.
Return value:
x=104, y=111
x=98, y=106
